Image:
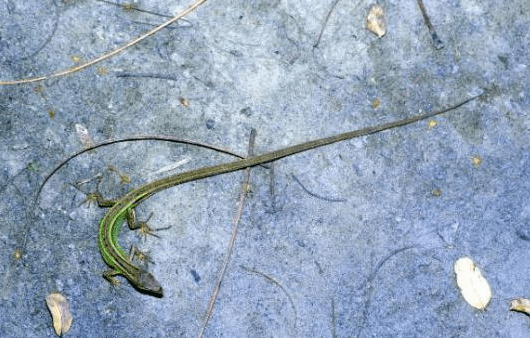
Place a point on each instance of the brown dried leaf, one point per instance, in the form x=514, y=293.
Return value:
x=520, y=305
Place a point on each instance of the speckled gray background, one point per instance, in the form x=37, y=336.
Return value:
x=378, y=263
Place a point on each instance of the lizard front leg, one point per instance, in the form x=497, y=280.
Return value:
x=132, y=221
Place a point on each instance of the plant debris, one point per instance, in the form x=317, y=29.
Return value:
x=474, y=287
x=60, y=311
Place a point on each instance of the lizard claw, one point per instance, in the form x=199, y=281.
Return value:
x=91, y=198
x=147, y=230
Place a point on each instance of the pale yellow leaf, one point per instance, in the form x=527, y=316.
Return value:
x=60, y=311
x=473, y=286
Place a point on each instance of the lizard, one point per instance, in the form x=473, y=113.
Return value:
x=123, y=208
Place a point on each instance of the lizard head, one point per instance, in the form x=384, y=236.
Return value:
x=147, y=283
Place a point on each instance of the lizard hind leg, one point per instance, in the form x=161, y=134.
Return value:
x=110, y=275
x=134, y=252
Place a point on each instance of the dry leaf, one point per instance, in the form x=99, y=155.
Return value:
x=520, y=305
x=376, y=103
x=474, y=287
x=60, y=311
x=476, y=160
x=82, y=135
x=375, y=21
x=185, y=102
x=432, y=124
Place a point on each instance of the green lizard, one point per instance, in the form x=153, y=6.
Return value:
x=123, y=208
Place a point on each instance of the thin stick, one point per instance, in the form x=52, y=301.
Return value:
x=273, y=281
x=133, y=8
x=438, y=44
x=131, y=139
x=324, y=198
x=325, y=22
x=242, y=195
x=155, y=30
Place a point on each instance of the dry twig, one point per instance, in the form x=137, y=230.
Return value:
x=69, y=71
x=242, y=195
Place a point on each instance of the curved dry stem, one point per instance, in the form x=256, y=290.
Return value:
x=103, y=57
x=132, y=139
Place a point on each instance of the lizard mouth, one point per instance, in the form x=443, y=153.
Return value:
x=148, y=284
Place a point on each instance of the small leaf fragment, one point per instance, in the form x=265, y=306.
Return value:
x=375, y=21
x=185, y=102
x=432, y=124
x=476, y=160
x=520, y=305
x=473, y=286
x=436, y=192
x=60, y=311
x=18, y=254
x=76, y=58
x=82, y=135
x=376, y=103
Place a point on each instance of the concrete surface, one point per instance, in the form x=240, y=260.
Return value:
x=372, y=258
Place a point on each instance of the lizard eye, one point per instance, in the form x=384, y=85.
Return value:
x=148, y=283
